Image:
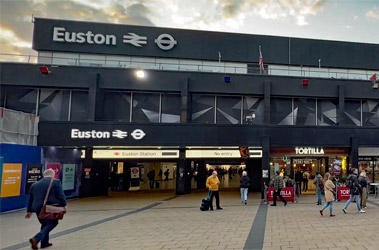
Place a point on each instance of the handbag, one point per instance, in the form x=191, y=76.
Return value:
x=50, y=211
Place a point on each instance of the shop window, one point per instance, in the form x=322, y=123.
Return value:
x=145, y=107
x=116, y=106
x=171, y=106
x=352, y=113
x=203, y=109
x=370, y=113
x=228, y=109
x=304, y=111
x=79, y=106
x=281, y=111
x=21, y=99
x=54, y=104
x=253, y=110
x=326, y=112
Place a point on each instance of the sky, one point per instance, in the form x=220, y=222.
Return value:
x=341, y=20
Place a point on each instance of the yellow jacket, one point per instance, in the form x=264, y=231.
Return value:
x=213, y=183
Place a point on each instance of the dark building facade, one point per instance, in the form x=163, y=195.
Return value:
x=203, y=102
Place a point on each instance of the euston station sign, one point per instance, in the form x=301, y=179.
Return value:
x=136, y=134
x=60, y=34
x=135, y=154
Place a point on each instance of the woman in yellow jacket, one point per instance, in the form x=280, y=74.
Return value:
x=329, y=195
x=212, y=184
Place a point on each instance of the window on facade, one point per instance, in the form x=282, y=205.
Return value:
x=228, y=109
x=21, y=99
x=116, y=106
x=281, y=111
x=54, y=104
x=79, y=106
x=326, y=112
x=253, y=110
x=370, y=113
x=304, y=111
x=352, y=113
x=171, y=107
x=145, y=107
x=203, y=108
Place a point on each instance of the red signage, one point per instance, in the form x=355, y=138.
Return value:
x=343, y=193
x=56, y=167
x=287, y=193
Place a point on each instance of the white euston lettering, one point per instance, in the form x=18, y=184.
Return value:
x=61, y=35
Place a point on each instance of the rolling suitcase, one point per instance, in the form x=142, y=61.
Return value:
x=205, y=203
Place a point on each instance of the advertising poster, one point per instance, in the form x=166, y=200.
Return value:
x=337, y=167
x=134, y=173
x=11, y=179
x=286, y=192
x=56, y=167
x=33, y=174
x=68, y=176
x=343, y=193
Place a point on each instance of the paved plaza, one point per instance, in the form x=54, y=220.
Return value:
x=165, y=221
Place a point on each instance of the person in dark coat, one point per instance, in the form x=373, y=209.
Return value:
x=244, y=186
x=355, y=190
x=36, y=198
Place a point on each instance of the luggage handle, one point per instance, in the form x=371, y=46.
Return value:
x=209, y=194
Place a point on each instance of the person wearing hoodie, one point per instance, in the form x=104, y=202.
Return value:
x=244, y=184
x=319, y=183
x=329, y=195
x=355, y=190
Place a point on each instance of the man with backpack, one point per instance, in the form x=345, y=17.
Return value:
x=355, y=189
x=319, y=183
x=278, y=185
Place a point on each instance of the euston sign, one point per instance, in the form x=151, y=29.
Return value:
x=309, y=151
x=60, y=34
x=137, y=134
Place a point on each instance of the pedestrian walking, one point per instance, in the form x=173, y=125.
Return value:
x=244, y=186
x=36, y=201
x=298, y=180
x=305, y=181
x=362, y=180
x=166, y=174
x=278, y=185
x=329, y=195
x=213, y=184
x=151, y=176
x=355, y=189
x=319, y=184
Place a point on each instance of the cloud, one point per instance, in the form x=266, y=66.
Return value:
x=16, y=16
x=373, y=13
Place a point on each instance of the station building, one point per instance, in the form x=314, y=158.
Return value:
x=120, y=102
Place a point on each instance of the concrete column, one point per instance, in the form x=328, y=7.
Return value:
x=185, y=114
x=265, y=160
x=267, y=100
x=353, y=153
x=341, y=105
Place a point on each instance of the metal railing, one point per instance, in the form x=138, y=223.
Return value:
x=185, y=65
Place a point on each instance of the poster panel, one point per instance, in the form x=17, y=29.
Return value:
x=11, y=179
x=286, y=192
x=33, y=174
x=68, y=176
x=134, y=173
x=56, y=167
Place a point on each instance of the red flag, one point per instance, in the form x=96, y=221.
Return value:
x=261, y=67
x=373, y=77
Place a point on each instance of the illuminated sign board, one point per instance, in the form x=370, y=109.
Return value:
x=134, y=154
x=309, y=151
